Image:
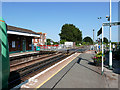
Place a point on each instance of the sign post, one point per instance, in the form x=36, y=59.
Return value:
x=110, y=53
x=102, y=52
x=101, y=32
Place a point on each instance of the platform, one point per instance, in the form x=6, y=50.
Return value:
x=78, y=74
x=77, y=71
x=23, y=53
x=47, y=74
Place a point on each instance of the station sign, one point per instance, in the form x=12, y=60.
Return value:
x=112, y=24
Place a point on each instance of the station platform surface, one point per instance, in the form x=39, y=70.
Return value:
x=78, y=73
x=22, y=53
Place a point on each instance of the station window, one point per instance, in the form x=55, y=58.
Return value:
x=13, y=44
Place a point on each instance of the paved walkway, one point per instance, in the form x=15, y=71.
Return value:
x=112, y=76
x=80, y=73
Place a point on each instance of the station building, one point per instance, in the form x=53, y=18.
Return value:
x=41, y=40
x=21, y=40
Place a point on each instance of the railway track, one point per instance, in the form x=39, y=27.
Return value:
x=22, y=58
x=20, y=65
x=23, y=71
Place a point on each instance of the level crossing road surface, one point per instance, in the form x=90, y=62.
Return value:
x=80, y=73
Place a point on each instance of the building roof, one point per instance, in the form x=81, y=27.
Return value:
x=39, y=32
x=13, y=28
x=21, y=31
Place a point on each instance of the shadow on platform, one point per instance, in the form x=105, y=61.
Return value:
x=14, y=79
x=90, y=63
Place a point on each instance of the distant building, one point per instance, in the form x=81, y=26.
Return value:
x=19, y=39
x=69, y=44
x=40, y=40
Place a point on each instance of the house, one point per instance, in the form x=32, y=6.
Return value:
x=40, y=40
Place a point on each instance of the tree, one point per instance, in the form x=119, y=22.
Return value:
x=49, y=41
x=70, y=32
x=62, y=41
x=88, y=40
x=55, y=43
x=105, y=40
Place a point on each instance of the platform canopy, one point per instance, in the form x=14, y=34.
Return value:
x=20, y=31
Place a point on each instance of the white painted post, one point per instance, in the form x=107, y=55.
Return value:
x=102, y=51
x=97, y=44
x=110, y=53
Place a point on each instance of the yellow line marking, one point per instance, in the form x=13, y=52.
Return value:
x=55, y=73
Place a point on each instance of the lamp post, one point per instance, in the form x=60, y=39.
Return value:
x=110, y=51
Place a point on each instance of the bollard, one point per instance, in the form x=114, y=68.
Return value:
x=4, y=56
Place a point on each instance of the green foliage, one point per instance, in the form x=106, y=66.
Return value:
x=99, y=55
x=78, y=45
x=71, y=33
x=62, y=41
x=105, y=40
x=55, y=43
x=49, y=41
x=85, y=43
x=88, y=40
x=114, y=43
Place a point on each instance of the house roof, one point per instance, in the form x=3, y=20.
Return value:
x=13, y=28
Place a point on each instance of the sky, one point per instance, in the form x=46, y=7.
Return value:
x=49, y=17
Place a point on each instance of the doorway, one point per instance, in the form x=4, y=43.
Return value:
x=24, y=45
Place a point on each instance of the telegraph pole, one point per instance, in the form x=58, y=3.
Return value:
x=110, y=52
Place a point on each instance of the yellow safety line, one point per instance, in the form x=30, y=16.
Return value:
x=54, y=73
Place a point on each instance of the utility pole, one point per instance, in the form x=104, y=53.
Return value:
x=110, y=52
